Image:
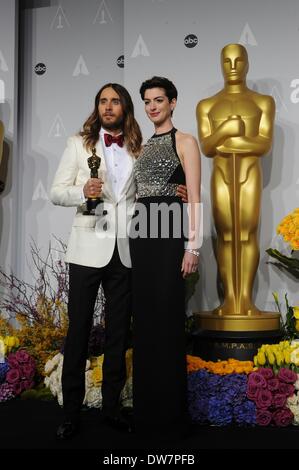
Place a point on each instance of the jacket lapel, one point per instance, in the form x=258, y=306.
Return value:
x=128, y=182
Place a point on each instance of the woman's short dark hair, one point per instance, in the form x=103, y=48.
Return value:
x=159, y=82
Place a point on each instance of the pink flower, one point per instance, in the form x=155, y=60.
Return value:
x=17, y=388
x=286, y=389
x=13, y=376
x=263, y=398
x=287, y=376
x=257, y=379
x=279, y=400
x=12, y=361
x=22, y=356
x=263, y=417
x=266, y=372
x=273, y=385
x=28, y=371
x=252, y=390
x=283, y=417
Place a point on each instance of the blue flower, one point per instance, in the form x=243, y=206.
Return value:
x=245, y=413
x=219, y=412
x=3, y=370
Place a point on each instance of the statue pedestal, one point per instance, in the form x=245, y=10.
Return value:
x=234, y=336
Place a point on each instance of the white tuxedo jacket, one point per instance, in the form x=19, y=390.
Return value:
x=92, y=238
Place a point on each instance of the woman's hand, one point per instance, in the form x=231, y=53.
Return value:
x=189, y=264
x=93, y=188
x=182, y=192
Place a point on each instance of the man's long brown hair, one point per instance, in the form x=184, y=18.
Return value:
x=130, y=127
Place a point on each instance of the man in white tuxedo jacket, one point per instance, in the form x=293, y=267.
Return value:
x=98, y=248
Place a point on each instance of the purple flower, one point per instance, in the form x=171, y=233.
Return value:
x=17, y=388
x=22, y=356
x=13, y=376
x=283, y=417
x=263, y=398
x=28, y=371
x=273, y=385
x=286, y=389
x=279, y=400
x=257, y=379
x=6, y=392
x=252, y=390
x=287, y=376
x=266, y=372
x=263, y=417
x=12, y=361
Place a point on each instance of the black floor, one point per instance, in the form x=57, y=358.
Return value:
x=29, y=424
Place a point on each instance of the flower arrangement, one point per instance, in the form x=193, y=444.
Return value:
x=39, y=310
x=219, y=399
x=293, y=402
x=220, y=367
x=17, y=373
x=93, y=380
x=270, y=392
x=288, y=231
x=275, y=356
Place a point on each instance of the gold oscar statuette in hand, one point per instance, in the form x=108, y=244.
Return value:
x=235, y=129
x=94, y=163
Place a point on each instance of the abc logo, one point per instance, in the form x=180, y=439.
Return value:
x=191, y=40
x=121, y=61
x=40, y=69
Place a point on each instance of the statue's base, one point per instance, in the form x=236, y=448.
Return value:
x=222, y=345
x=234, y=336
x=259, y=321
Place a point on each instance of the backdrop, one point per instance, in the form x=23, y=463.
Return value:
x=68, y=51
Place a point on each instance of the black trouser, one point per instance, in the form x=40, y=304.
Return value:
x=84, y=283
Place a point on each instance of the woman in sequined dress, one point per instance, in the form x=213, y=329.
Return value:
x=161, y=258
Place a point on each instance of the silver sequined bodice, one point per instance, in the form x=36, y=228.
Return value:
x=155, y=166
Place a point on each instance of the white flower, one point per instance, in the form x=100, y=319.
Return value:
x=93, y=397
x=88, y=379
x=127, y=393
x=49, y=366
x=60, y=398
x=292, y=401
x=87, y=364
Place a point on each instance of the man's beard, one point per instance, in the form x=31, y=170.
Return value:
x=112, y=126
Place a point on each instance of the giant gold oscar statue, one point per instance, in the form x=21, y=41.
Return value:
x=235, y=128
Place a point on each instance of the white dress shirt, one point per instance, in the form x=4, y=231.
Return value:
x=119, y=164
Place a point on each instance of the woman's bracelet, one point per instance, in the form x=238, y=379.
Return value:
x=193, y=252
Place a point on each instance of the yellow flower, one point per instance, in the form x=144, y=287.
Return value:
x=287, y=356
x=11, y=341
x=97, y=375
x=296, y=312
x=297, y=325
x=271, y=358
x=261, y=358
